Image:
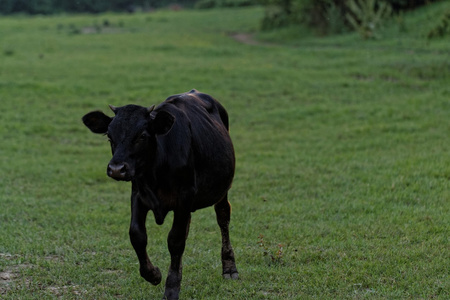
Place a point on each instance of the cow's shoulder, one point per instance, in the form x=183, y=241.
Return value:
x=173, y=148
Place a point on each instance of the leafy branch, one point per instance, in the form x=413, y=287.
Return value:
x=367, y=16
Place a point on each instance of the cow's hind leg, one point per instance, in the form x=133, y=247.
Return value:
x=223, y=212
x=138, y=237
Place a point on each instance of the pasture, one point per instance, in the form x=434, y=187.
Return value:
x=342, y=184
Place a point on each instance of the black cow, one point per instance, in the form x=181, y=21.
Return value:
x=179, y=157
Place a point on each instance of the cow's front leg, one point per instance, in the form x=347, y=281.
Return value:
x=176, y=241
x=138, y=237
x=223, y=212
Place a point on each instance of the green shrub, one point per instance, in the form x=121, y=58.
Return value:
x=325, y=16
x=442, y=29
x=333, y=16
x=366, y=16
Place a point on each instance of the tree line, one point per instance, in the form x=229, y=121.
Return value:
x=279, y=11
x=81, y=6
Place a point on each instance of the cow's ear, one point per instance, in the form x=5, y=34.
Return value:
x=162, y=123
x=97, y=121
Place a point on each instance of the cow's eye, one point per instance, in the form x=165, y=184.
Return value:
x=110, y=140
x=142, y=137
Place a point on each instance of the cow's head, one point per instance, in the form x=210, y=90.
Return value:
x=131, y=133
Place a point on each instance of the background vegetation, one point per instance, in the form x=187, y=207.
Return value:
x=333, y=16
x=324, y=17
x=342, y=185
x=89, y=6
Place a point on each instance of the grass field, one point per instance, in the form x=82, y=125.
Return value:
x=342, y=185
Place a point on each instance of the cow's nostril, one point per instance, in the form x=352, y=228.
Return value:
x=117, y=171
x=123, y=170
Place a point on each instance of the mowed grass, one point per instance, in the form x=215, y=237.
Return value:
x=342, y=184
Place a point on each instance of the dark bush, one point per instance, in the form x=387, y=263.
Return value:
x=89, y=6
x=400, y=5
x=202, y=4
x=26, y=6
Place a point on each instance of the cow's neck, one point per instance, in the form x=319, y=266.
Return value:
x=149, y=197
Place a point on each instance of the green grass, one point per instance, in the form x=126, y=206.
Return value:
x=342, y=185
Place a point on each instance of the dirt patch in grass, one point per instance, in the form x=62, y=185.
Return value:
x=10, y=276
x=102, y=30
x=248, y=39
x=62, y=291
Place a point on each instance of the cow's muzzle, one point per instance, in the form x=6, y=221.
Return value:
x=119, y=171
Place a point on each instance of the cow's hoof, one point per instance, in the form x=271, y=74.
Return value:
x=151, y=275
x=171, y=294
x=234, y=275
